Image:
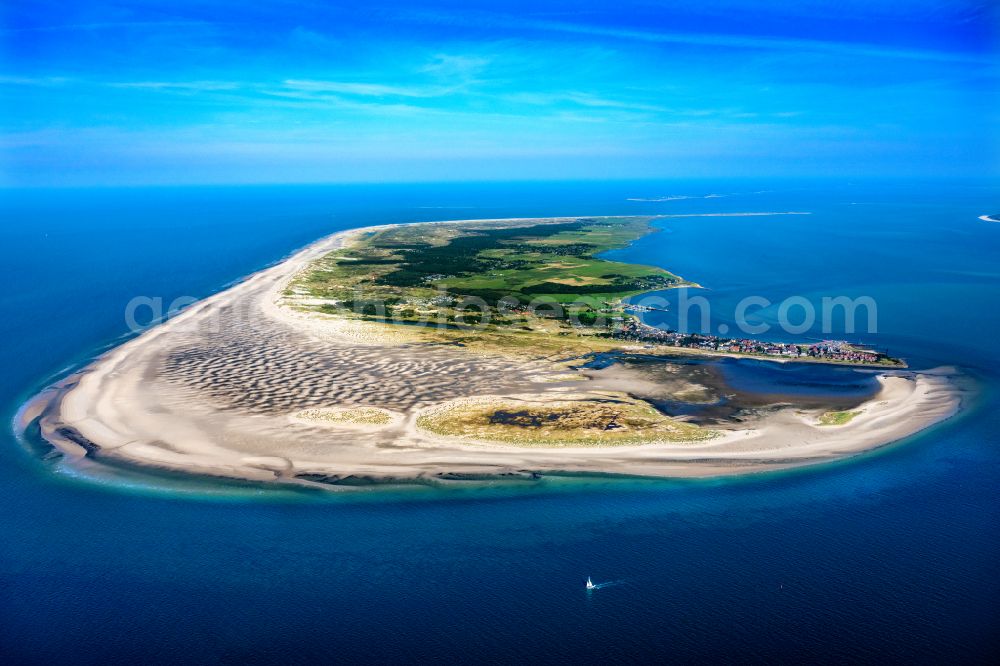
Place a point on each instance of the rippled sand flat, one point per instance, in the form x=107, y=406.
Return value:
x=220, y=389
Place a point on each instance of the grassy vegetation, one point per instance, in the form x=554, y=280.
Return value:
x=512, y=276
x=564, y=420
x=837, y=418
x=348, y=416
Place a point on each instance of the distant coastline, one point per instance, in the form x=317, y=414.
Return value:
x=750, y=214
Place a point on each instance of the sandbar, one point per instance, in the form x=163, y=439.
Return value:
x=243, y=385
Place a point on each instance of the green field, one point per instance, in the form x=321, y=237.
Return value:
x=501, y=272
x=837, y=418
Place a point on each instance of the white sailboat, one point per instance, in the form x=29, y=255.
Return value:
x=590, y=584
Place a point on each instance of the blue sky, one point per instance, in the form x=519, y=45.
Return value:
x=127, y=92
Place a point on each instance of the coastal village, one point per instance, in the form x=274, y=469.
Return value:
x=827, y=350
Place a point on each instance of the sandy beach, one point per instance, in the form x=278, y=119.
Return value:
x=231, y=387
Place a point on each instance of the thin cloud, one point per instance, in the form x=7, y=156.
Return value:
x=459, y=66
x=40, y=81
x=107, y=25
x=190, y=86
x=741, y=41
x=598, y=102
x=364, y=89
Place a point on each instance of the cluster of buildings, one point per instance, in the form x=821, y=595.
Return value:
x=434, y=277
x=830, y=350
x=842, y=351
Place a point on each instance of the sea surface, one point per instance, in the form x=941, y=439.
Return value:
x=891, y=557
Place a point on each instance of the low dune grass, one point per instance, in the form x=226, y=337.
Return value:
x=559, y=420
x=837, y=418
x=371, y=416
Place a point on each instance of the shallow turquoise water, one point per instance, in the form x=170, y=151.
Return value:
x=891, y=556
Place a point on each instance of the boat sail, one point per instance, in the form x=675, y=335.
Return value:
x=590, y=584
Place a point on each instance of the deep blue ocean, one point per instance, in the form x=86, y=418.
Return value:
x=892, y=557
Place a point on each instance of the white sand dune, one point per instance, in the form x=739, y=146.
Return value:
x=216, y=389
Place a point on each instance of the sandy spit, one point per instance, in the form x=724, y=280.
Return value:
x=214, y=391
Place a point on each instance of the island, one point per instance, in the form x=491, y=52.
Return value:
x=458, y=352
x=504, y=286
